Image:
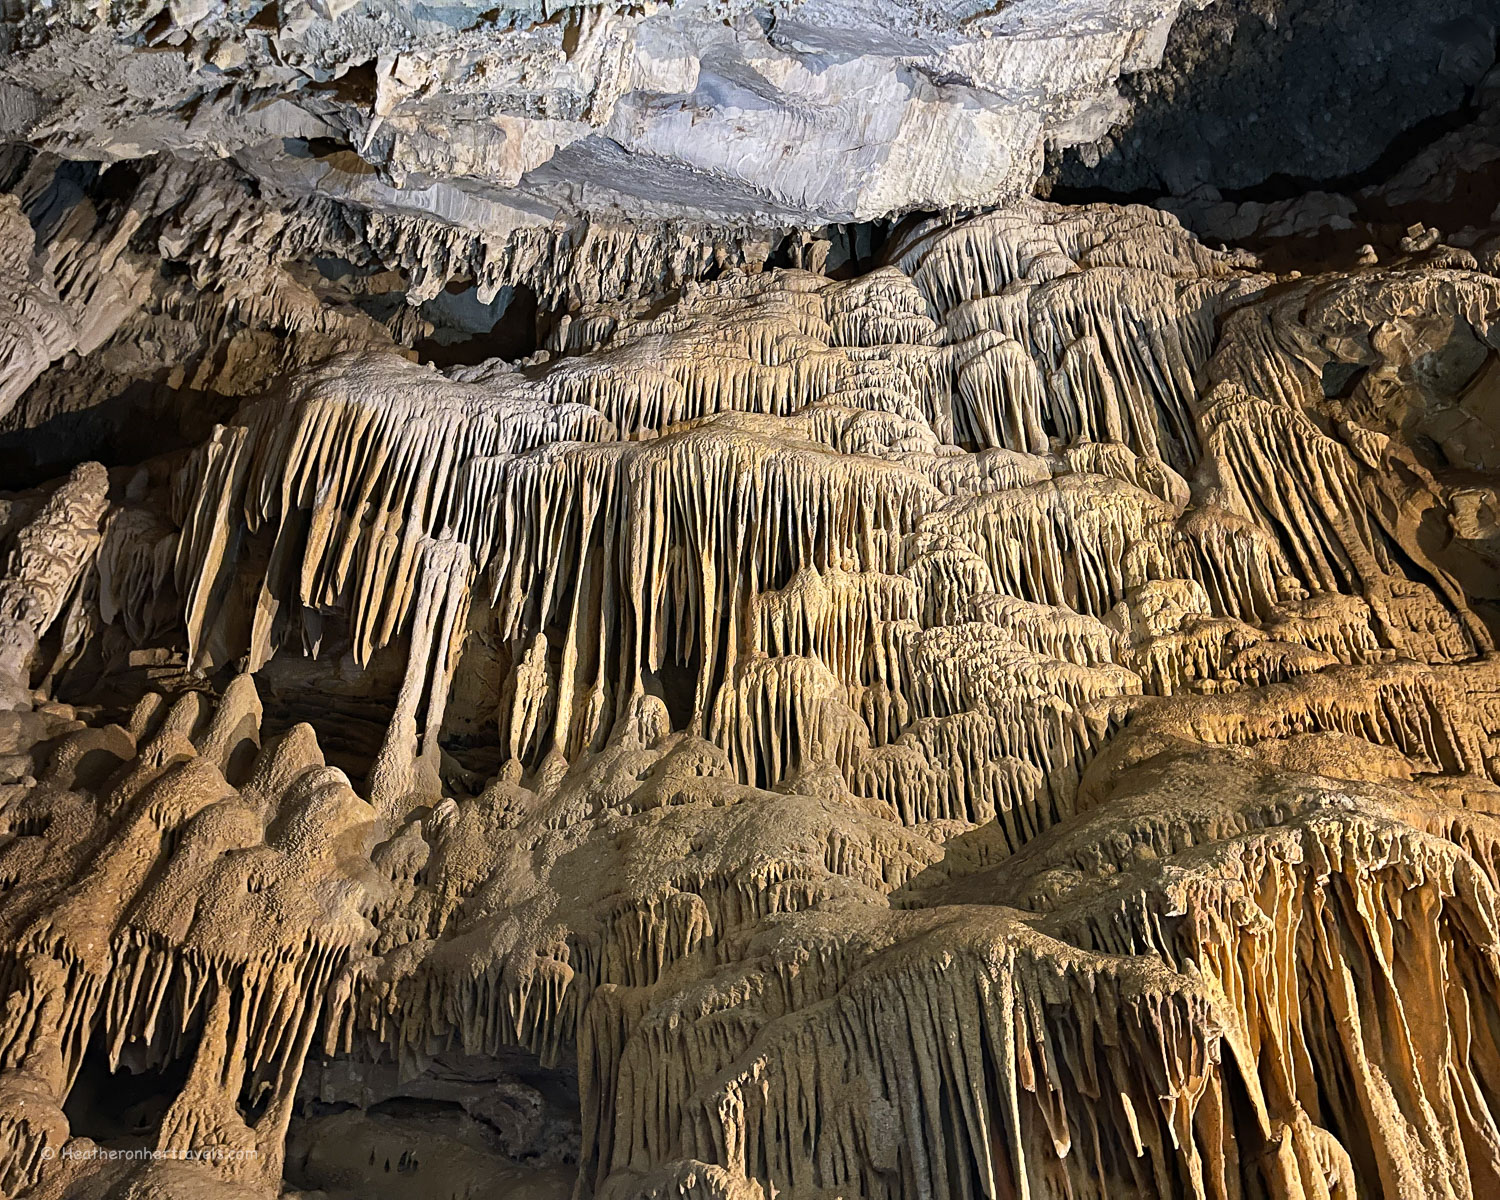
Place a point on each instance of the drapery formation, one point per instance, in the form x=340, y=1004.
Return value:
x=998, y=726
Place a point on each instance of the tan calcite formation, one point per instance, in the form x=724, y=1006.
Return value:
x=155, y=904
x=44, y=570
x=1015, y=724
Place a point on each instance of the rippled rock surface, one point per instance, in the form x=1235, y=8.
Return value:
x=728, y=699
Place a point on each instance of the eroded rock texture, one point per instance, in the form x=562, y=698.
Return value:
x=554, y=644
x=1006, y=724
x=531, y=132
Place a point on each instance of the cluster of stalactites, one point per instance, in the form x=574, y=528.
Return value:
x=1022, y=1069
x=1072, y=325
x=1113, y=1056
x=755, y=484
x=1035, y=240
x=1413, y=708
x=755, y=489
x=1353, y=518
x=677, y=535
x=563, y=263
x=740, y=547
x=350, y=476
x=368, y=459
x=1103, y=355
x=1315, y=907
x=1081, y=542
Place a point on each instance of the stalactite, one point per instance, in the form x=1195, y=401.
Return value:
x=984, y=728
x=35, y=325
x=407, y=767
x=43, y=567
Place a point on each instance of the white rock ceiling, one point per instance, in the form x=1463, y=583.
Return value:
x=505, y=118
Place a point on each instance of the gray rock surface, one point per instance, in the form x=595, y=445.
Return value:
x=509, y=117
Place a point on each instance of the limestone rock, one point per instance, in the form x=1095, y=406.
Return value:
x=1021, y=720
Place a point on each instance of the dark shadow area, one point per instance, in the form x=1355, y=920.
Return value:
x=143, y=420
x=853, y=249
x=121, y=1105
x=360, y=1131
x=1267, y=99
x=466, y=331
x=679, y=685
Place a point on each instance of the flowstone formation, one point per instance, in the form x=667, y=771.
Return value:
x=1023, y=721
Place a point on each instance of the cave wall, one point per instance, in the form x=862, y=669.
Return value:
x=764, y=692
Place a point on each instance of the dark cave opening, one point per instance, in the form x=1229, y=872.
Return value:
x=1266, y=100
x=467, y=331
x=679, y=684
x=144, y=419
x=499, y=1123
x=124, y=1106
x=1339, y=379
x=1278, y=185
x=1285, y=128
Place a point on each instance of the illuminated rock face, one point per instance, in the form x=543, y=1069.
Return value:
x=507, y=141
x=1011, y=712
x=998, y=725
